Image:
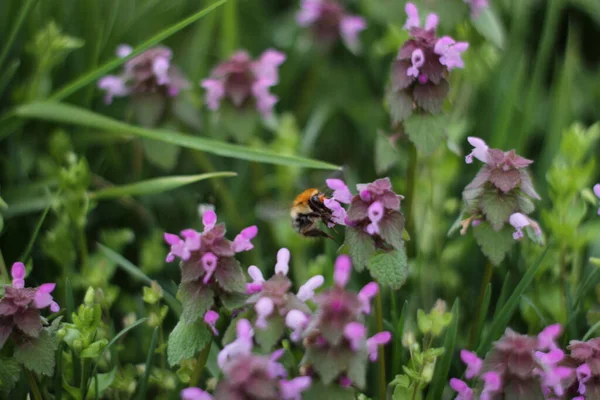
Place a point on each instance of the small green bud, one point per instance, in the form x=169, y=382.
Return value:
x=428, y=372
x=60, y=334
x=152, y=294
x=408, y=339
x=89, y=298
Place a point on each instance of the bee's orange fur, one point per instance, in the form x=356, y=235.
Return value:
x=303, y=197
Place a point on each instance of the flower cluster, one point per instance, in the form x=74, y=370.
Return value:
x=335, y=337
x=272, y=300
x=20, y=308
x=248, y=375
x=208, y=267
x=328, y=21
x=585, y=358
x=500, y=192
x=532, y=367
x=149, y=73
x=418, y=75
x=242, y=80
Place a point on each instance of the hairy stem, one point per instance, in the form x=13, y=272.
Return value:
x=381, y=356
x=199, y=368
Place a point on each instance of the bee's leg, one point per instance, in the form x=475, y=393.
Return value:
x=315, y=232
x=317, y=205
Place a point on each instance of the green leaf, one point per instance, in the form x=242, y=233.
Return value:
x=360, y=247
x=391, y=229
x=426, y=131
x=386, y=154
x=526, y=206
x=236, y=123
x=269, y=337
x=9, y=374
x=490, y=27
x=442, y=366
x=186, y=341
x=156, y=185
x=498, y=207
x=148, y=369
x=399, y=104
x=18, y=22
x=493, y=244
x=196, y=300
x=162, y=155
x=94, y=349
x=64, y=113
x=328, y=364
x=38, y=355
x=502, y=318
x=230, y=276
x=233, y=300
x=102, y=70
x=148, y=109
x=357, y=368
x=105, y=380
x=389, y=268
x=320, y=391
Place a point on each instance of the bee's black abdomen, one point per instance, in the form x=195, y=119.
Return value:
x=317, y=205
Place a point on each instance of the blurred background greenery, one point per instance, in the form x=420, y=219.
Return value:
x=532, y=71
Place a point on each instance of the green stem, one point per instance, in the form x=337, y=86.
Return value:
x=27, y=5
x=487, y=278
x=199, y=368
x=381, y=356
x=4, y=277
x=33, y=386
x=161, y=344
x=408, y=203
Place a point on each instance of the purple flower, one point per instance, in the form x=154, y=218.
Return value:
x=263, y=307
x=491, y=384
x=341, y=192
x=257, y=280
x=366, y=294
x=328, y=21
x=450, y=52
x=379, y=339
x=547, y=337
x=477, y=6
x=463, y=390
x=283, y=261
x=290, y=390
x=597, y=193
x=473, y=362
x=211, y=318
x=307, y=291
x=241, y=80
x=193, y=393
x=148, y=73
x=242, y=242
x=583, y=374
x=20, y=307
x=241, y=346
x=355, y=332
x=375, y=214
x=480, y=150
x=342, y=270
x=518, y=221
x=297, y=321
x=338, y=213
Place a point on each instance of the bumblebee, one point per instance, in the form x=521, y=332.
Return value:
x=308, y=209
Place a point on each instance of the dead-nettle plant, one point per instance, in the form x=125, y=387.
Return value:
x=498, y=201
x=530, y=367
x=374, y=228
x=419, y=80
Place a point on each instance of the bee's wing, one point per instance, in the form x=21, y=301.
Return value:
x=271, y=210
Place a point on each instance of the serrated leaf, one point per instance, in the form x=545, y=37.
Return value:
x=494, y=245
x=237, y=123
x=94, y=349
x=399, y=104
x=357, y=368
x=320, y=391
x=498, y=207
x=38, y=355
x=162, y=155
x=386, y=154
x=230, y=276
x=328, y=364
x=234, y=300
x=431, y=97
x=426, y=131
x=105, y=380
x=389, y=268
x=391, y=229
x=526, y=206
x=186, y=341
x=268, y=338
x=9, y=374
x=148, y=109
x=196, y=300
x=360, y=246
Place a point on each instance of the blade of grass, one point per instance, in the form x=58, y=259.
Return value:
x=77, y=116
x=443, y=365
x=7, y=75
x=58, y=388
x=27, y=253
x=144, y=382
x=152, y=186
x=27, y=6
x=93, y=75
x=503, y=294
x=229, y=33
x=591, y=331
x=481, y=320
x=501, y=320
x=70, y=303
x=397, y=344
x=137, y=273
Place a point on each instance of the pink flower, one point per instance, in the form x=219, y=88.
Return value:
x=491, y=384
x=547, y=337
x=114, y=86
x=342, y=270
x=518, y=221
x=264, y=308
x=597, y=193
x=473, y=362
x=194, y=393
x=290, y=390
x=417, y=59
x=355, y=332
x=257, y=280
x=241, y=346
x=242, y=242
x=366, y=294
x=43, y=298
x=297, y=321
x=341, y=192
x=583, y=374
x=283, y=262
x=123, y=50
x=307, y=291
x=379, y=339
x=463, y=390
x=17, y=272
x=350, y=27
x=375, y=214
x=215, y=91
x=209, y=219
x=338, y=213
x=450, y=52
x=480, y=148
x=211, y=318
x=413, y=20
x=209, y=263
